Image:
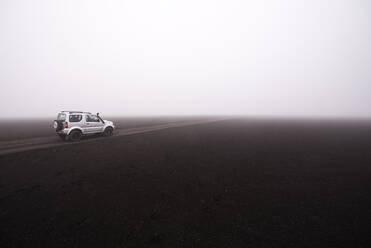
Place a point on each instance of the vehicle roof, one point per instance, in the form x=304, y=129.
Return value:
x=73, y=112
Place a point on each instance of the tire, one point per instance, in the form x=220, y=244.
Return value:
x=58, y=125
x=75, y=135
x=108, y=132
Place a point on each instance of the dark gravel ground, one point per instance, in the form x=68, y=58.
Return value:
x=12, y=129
x=236, y=183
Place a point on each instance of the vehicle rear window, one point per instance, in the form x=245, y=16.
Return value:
x=75, y=118
x=61, y=117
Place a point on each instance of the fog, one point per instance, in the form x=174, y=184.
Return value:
x=194, y=57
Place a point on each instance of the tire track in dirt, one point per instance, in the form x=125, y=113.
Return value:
x=14, y=146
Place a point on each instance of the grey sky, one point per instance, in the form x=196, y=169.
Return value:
x=296, y=57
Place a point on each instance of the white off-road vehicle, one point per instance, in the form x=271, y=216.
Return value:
x=72, y=125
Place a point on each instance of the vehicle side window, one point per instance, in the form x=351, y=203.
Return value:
x=92, y=118
x=75, y=118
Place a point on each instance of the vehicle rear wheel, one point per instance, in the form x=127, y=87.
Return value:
x=108, y=131
x=75, y=135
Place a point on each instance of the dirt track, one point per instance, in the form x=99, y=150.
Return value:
x=233, y=183
x=13, y=146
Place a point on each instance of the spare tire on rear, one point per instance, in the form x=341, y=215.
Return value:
x=58, y=125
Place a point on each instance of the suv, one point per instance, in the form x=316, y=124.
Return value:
x=72, y=125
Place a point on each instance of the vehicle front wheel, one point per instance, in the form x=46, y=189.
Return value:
x=108, y=131
x=75, y=135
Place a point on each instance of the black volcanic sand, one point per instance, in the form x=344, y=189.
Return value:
x=12, y=129
x=236, y=183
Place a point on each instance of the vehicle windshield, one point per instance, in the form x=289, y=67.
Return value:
x=61, y=117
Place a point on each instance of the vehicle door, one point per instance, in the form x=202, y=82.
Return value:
x=93, y=124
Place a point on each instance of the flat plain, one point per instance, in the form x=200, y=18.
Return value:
x=13, y=129
x=241, y=182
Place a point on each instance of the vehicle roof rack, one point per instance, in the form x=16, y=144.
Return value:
x=81, y=112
